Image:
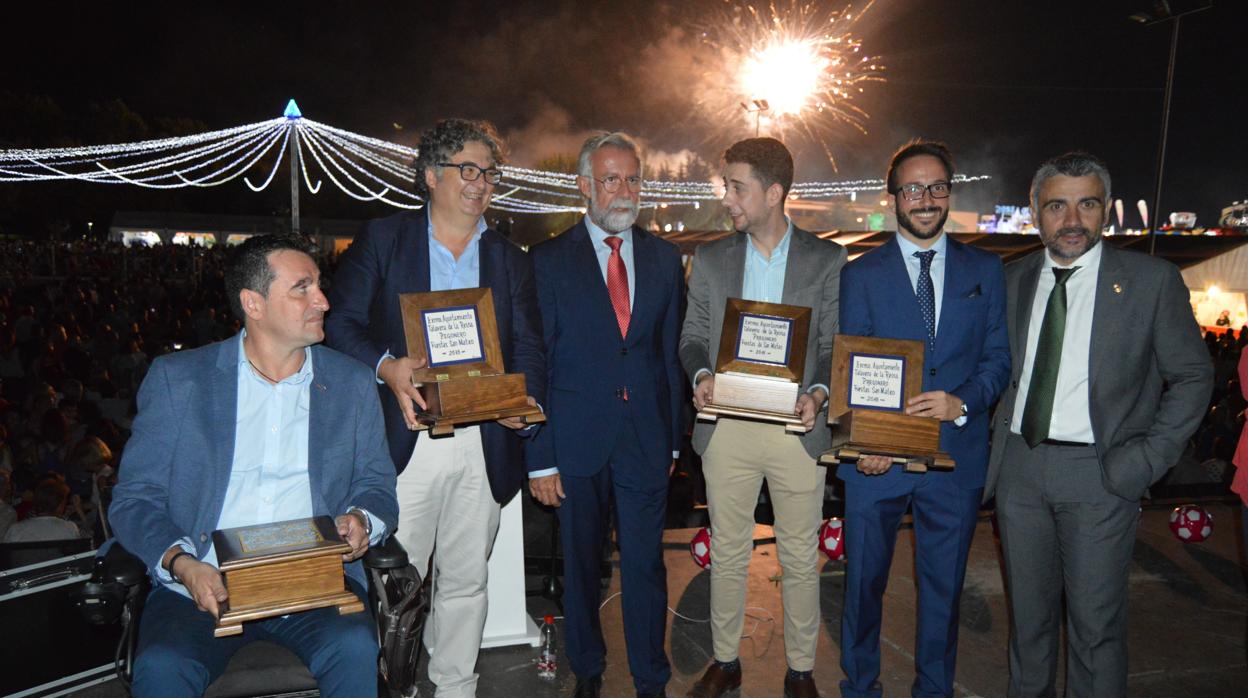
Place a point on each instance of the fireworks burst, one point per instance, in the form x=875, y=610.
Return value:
x=798, y=64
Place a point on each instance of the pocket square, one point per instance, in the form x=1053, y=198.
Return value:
x=975, y=292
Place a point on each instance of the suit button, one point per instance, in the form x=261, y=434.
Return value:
x=619, y=392
x=203, y=537
x=623, y=351
x=1015, y=386
x=931, y=371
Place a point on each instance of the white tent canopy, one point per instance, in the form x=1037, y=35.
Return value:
x=1220, y=283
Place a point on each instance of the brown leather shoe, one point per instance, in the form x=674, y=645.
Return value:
x=715, y=683
x=800, y=688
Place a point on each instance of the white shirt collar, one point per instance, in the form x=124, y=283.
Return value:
x=908, y=248
x=1088, y=260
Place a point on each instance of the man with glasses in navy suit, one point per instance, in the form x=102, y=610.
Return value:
x=922, y=285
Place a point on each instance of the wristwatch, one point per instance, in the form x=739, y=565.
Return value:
x=368, y=524
x=963, y=408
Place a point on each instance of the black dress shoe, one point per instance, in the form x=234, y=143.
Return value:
x=715, y=682
x=800, y=688
x=647, y=694
x=588, y=688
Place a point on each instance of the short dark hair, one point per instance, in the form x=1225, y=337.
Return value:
x=1076, y=163
x=915, y=148
x=448, y=137
x=50, y=496
x=247, y=266
x=769, y=159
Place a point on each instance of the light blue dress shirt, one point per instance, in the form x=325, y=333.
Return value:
x=763, y=280
x=913, y=266
x=269, y=475
x=764, y=277
x=447, y=273
x=598, y=237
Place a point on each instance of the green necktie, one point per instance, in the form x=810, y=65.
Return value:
x=1039, y=408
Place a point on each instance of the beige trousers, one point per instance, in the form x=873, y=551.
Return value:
x=446, y=508
x=740, y=454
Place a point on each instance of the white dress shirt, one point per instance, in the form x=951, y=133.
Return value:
x=1072, y=414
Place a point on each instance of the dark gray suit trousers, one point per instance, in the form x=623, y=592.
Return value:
x=1059, y=525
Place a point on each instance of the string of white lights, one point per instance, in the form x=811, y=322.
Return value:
x=108, y=174
x=362, y=167
x=277, y=161
x=336, y=155
x=97, y=151
x=317, y=148
x=303, y=165
x=30, y=169
x=394, y=167
x=316, y=154
x=258, y=151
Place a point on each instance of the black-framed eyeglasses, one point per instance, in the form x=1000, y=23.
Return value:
x=914, y=192
x=611, y=183
x=471, y=172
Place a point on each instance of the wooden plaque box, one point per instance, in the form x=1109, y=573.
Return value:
x=872, y=378
x=759, y=366
x=463, y=382
x=280, y=568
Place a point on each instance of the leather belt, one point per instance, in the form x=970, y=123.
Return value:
x=1067, y=444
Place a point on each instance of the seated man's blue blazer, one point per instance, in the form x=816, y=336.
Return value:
x=176, y=466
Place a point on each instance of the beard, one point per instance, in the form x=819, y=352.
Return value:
x=616, y=219
x=1060, y=248
x=904, y=220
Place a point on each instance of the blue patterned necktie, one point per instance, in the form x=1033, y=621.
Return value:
x=927, y=294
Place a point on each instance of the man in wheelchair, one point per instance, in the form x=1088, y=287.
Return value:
x=266, y=426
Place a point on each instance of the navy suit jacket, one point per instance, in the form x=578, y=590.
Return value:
x=391, y=256
x=176, y=466
x=588, y=363
x=972, y=354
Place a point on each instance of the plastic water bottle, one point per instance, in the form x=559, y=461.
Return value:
x=548, y=654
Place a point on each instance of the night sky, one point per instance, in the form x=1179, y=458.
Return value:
x=1005, y=84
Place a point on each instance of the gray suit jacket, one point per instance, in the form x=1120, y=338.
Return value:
x=1149, y=372
x=812, y=279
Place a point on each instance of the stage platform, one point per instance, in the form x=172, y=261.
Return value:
x=1188, y=621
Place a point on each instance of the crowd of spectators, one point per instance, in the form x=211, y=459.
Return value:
x=79, y=325
x=1224, y=422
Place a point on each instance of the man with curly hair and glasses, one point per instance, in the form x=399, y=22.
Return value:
x=450, y=490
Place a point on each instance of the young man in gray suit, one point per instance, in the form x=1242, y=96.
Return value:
x=772, y=261
x=1110, y=379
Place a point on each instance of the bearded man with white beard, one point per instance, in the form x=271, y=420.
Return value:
x=610, y=295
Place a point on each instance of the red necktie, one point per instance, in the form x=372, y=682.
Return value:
x=617, y=283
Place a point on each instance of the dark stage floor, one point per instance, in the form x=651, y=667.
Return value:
x=1189, y=622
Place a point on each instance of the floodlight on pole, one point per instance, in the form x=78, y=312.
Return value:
x=760, y=106
x=1157, y=12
